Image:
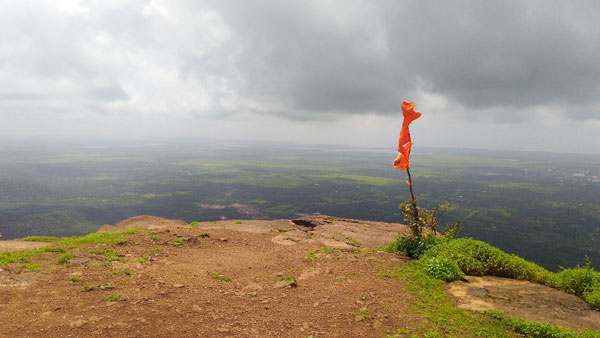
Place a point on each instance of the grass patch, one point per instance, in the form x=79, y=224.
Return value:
x=114, y=298
x=290, y=277
x=106, y=286
x=64, y=259
x=220, y=276
x=448, y=259
x=311, y=256
x=540, y=330
x=109, y=256
x=33, y=266
x=432, y=302
x=39, y=239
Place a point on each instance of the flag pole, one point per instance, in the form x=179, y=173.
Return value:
x=412, y=195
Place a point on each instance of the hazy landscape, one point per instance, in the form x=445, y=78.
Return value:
x=544, y=207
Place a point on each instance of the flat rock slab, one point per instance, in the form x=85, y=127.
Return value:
x=145, y=222
x=21, y=245
x=530, y=301
x=331, y=231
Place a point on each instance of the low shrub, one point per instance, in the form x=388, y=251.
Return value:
x=450, y=259
x=593, y=297
x=578, y=281
x=413, y=246
x=478, y=258
x=442, y=267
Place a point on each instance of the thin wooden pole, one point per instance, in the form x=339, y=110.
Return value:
x=412, y=195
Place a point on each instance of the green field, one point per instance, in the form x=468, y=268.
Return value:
x=542, y=206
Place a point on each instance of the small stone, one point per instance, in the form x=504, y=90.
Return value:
x=253, y=287
x=285, y=284
x=119, y=265
x=359, y=318
x=77, y=323
x=378, y=325
x=178, y=285
x=95, y=319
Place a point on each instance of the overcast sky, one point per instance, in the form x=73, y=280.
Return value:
x=485, y=74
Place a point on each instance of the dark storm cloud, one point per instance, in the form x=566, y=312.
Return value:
x=363, y=57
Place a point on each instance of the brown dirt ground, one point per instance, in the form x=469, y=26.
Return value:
x=173, y=293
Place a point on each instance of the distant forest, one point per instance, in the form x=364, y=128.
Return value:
x=544, y=207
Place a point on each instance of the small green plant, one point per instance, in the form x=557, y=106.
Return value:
x=220, y=276
x=154, y=237
x=74, y=279
x=154, y=252
x=64, y=259
x=141, y=260
x=326, y=249
x=194, y=225
x=106, y=286
x=113, y=298
x=178, y=242
x=252, y=294
x=282, y=230
x=290, y=277
x=363, y=313
x=311, y=256
x=238, y=222
x=87, y=288
x=353, y=242
x=122, y=272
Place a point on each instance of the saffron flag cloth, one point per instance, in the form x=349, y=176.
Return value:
x=404, y=144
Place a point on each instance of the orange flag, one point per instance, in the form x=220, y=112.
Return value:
x=408, y=111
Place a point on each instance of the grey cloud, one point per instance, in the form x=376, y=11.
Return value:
x=478, y=54
x=301, y=60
